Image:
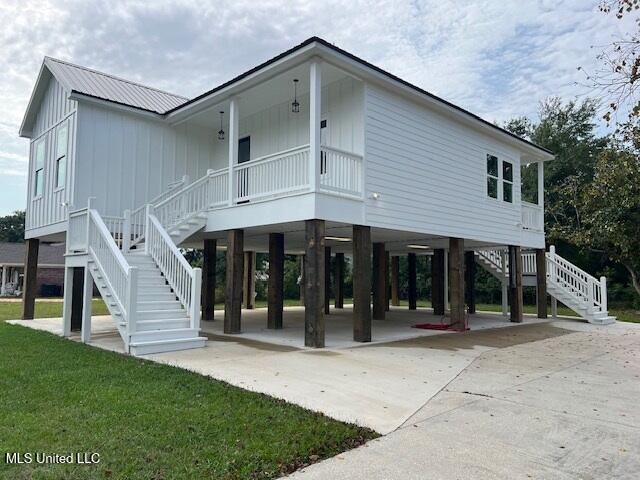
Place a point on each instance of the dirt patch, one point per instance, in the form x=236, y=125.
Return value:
x=247, y=342
x=501, y=337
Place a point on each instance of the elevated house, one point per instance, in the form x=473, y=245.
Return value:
x=314, y=152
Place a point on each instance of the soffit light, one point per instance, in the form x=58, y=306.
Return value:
x=295, y=105
x=221, y=131
x=419, y=247
x=338, y=239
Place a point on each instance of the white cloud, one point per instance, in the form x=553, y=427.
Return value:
x=495, y=58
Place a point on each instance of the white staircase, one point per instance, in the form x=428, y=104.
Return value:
x=151, y=291
x=573, y=287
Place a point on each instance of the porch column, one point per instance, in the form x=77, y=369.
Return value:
x=541, y=280
x=302, y=287
x=314, y=284
x=379, y=285
x=30, y=278
x=456, y=284
x=235, y=271
x=470, y=280
x=68, y=300
x=395, y=281
x=541, y=185
x=77, y=299
x=275, y=287
x=209, y=278
x=361, y=283
x=3, y=289
x=437, y=281
x=338, y=280
x=505, y=285
x=327, y=280
x=412, y=271
x=315, y=109
x=515, y=283
x=446, y=280
x=87, y=297
x=249, y=281
x=234, y=120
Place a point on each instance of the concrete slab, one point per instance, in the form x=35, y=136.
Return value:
x=559, y=407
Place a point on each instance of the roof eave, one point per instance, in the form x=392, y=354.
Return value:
x=26, y=126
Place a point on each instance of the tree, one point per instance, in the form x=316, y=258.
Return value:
x=12, y=227
x=610, y=211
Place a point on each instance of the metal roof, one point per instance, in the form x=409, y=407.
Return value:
x=107, y=87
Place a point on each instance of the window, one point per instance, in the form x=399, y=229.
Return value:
x=507, y=181
x=492, y=176
x=61, y=156
x=38, y=177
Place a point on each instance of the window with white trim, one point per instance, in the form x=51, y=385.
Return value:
x=62, y=139
x=507, y=181
x=492, y=176
x=38, y=177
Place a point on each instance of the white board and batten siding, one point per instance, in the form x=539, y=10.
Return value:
x=430, y=174
x=56, y=111
x=125, y=159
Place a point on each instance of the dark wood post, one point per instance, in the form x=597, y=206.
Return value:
x=30, y=283
x=327, y=279
x=541, y=282
x=412, y=271
x=379, y=285
x=314, y=284
x=395, y=280
x=235, y=272
x=275, y=288
x=437, y=281
x=361, y=283
x=470, y=280
x=77, y=294
x=209, y=278
x=338, y=280
x=387, y=283
x=249, y=281
x=515, y=283
x=456, y=284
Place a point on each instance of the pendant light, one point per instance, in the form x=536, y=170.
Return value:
x=221, y=131
x=295, y=106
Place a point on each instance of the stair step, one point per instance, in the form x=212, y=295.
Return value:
x=156, y=297
x=160, y=346
x=164, y=324
x=151, y=305
x=166, y=334
x=174, y=313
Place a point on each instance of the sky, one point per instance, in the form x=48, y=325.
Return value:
x=496, y=58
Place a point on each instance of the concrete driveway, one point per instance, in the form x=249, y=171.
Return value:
x=565, y=406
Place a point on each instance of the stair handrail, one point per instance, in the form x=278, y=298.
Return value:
x=570, y=277
x=120, y=277
x=135, y=219
x=185, y=280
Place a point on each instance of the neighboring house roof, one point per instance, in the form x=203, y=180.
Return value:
x=107, y=87
x=12, y=254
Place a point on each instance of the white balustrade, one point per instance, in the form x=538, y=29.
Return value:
x=577, y=282
x=183, y=279
x=340, y=172
x=115, y=225
x=77, y=231
x=272, y=175
x=528, y=263
x=532, y=217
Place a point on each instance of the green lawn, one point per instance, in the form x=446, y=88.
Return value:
x=146, y=420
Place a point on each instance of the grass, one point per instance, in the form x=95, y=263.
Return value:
x=146, y=420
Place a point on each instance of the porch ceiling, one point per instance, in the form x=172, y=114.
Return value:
x=397, y=242
x=274, y=91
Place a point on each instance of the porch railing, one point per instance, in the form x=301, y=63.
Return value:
x=532, y=217
x=340, y=172
x=272, y=175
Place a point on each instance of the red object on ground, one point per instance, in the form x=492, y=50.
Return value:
x=433, y=326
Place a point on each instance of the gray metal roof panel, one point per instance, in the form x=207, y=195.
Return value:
x=101, y=85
